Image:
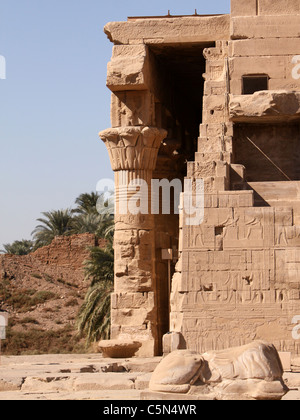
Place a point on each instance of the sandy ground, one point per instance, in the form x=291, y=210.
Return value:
x=86, y=377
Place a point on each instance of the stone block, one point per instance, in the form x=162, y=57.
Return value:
x=274, y=67
x=222, y=169
x=132, y=108
x=129, y=69
x=236, y=199
x=213, y=104
x=214, y=87
x=284, y=84
x=265, y=106
x=48, y=384
x=265, y=47
x=282, y=7
x=211, y=200
x=169, y=30
x=243, y=7
x=130, y=317
x=280, y=26
x=220, y=183
x=237, y=176
x=201, y=170
x=173, y=341
x=142, y=382
x=9, y=384
x=286, y=360
x=283, y=216
x=213, y=115
x=216, y=130
x=215, y=71
x=113, y=381
x=132, y=300
x=215, y=144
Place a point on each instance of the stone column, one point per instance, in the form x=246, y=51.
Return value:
x=133, y=153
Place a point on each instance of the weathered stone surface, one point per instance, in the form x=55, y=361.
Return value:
x=169, y=30
x=129, y=69
x=284, y=7
x=253, y=371
x=236, y=275
x=118, y=348
x=173, y=341
x=104, y=382
x=265, y=106
x=177, y=372
x=64, y=371
x=280, y=26
x=133, y=148
x=243, y=7
x=48, y=384
x=264, y=47
x=10, y=384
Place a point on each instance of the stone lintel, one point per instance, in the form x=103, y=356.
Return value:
x=169, y=30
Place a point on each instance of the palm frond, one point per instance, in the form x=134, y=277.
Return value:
x=94, y=316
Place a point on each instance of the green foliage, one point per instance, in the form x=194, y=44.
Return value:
x=94, y=317
x=92, y=215
x=23, y=247
x=100, y=266
x=55, y=223
x=87, y=204
x=46, y=341
x=86, y=223
x=24, y=300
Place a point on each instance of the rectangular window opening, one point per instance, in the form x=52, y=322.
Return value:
x=255, y=83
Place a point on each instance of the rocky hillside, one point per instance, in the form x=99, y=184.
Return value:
x=42, y=292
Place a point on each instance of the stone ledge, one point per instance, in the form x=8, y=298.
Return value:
x=265, y=107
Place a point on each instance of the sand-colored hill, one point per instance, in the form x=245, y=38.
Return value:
x=42, y=292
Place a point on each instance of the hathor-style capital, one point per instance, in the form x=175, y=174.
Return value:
x=133, y=148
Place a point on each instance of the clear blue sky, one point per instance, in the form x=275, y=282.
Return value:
x=54, y=100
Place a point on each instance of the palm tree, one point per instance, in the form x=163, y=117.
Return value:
x=86, y=203
x=93, y=203
x=93, y=214
x=94, y=316
x=55, y=223
x=23, y=247
x=86, y=223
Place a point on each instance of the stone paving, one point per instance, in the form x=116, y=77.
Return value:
x=73, y=377
x=86, y=377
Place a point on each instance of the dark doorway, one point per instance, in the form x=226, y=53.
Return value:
x=179, y=89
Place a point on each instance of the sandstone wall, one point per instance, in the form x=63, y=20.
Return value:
x=238, y=275
x=236, y=279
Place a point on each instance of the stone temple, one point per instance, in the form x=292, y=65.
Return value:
x=213, y=98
